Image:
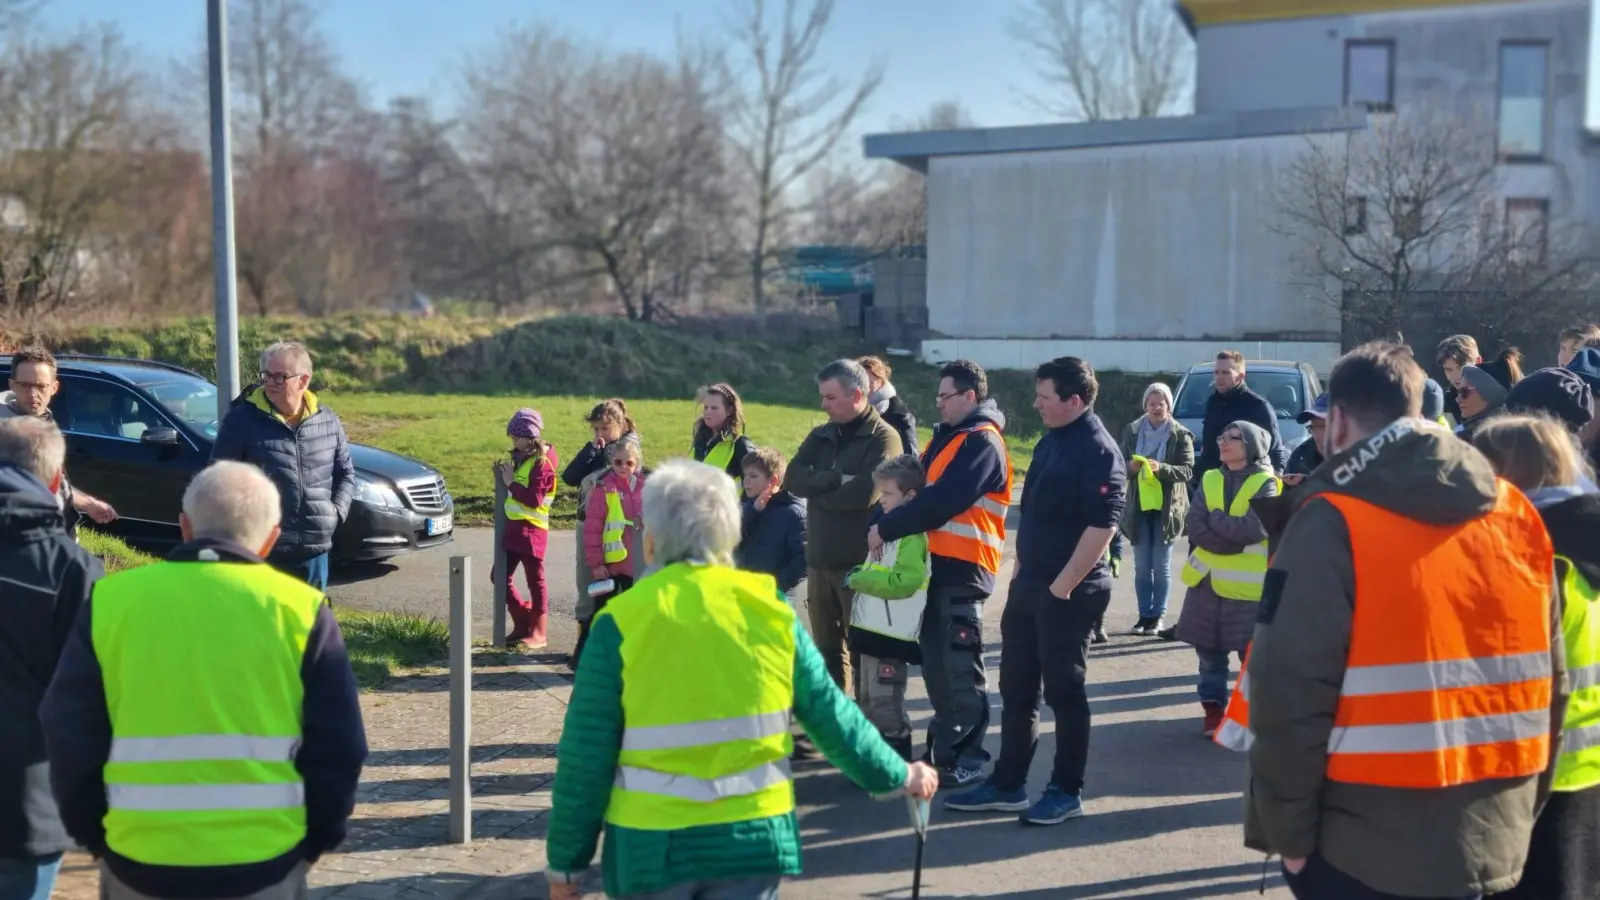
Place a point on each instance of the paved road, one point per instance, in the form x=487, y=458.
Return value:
x=1164, y=806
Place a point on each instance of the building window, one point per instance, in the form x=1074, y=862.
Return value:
x=1527, y=221
x=1524, y=79
x=1355, y=216
x=1369, y=75
x=1407, y=218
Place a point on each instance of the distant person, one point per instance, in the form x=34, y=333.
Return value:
x=33, y=385
x=1453, y=354
x=1554, y=392
x=1159, y=453
x=773, y=533
x=719, y=438
x=1306, y=457
x=832, y=472
x=1479, y=396
x=889, y=404
x=1586, y=365
x=529, y=477
x=280, y=426
x=611, y=532
x=611, y=425
x=1575, y=340
x=1433, y=403
x=1232, y=401
x=45, y=578
x=204, y=727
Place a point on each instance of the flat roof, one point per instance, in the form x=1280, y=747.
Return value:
x=914, y=149
x=1201, y=13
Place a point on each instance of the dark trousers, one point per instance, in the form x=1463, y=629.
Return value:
x=1564, y=854
x=623, y=582
x=1321, y=881
x=313, y=571
x=952, y=670
x=1045, y=642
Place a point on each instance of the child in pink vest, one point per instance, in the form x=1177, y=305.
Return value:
x=611, y=528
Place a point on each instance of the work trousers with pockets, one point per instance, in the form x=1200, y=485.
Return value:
x=952, y=668
x=881, y=694
x=759, y=887
x=291, y=888
x=1045, y=641
x=828, y=601
x=1319, y=880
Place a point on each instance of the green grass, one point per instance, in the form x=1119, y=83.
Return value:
x=380, y=644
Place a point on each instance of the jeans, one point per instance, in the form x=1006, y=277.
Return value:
x=1046, y=641
x=952, y=670
x=313, y=571
x=756, y=887
x=1321, y=881
x=1213, y=687
x=1152, y=564
x=30, y=878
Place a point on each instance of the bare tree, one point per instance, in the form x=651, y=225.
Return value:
x=791, y=118
x=1107, y=59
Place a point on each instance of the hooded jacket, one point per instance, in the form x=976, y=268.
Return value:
x=978, y=468
x=837, y=508
x=1210, y=622
x=887, y=401
x=46, y=579
x=1239, y=404
x=310, y=464
x=773, y=540
x=1449, y=842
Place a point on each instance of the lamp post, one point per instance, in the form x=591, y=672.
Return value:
x=222, y=257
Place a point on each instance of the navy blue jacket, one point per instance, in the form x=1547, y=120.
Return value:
x=1077, y=481
x=979, y=468
x=310, y=465
x=333, y=746
x=774, y=540
x=1238, y=405
x=45, y=577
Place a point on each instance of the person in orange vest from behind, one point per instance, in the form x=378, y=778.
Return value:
x=1407, y=680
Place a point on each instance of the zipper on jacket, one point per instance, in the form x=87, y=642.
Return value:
x=887, y=614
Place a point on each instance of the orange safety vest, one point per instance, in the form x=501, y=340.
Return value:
x=977, y=535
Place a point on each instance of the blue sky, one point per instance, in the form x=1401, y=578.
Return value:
x=934, y=49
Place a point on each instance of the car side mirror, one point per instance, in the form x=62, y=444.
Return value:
x=164, y=436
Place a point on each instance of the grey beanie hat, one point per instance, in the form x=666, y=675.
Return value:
x=1493, y=392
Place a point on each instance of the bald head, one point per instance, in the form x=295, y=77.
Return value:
x=35, y=446
x=232, y=501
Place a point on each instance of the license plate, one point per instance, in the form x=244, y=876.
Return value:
x=441, y=525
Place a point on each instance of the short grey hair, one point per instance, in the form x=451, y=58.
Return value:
x=33, y=445
x=294, y=352
x=849, y=373
x=690, y=513
x=232, y=501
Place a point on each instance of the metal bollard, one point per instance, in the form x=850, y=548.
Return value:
x=460, y=699
x=499, y=568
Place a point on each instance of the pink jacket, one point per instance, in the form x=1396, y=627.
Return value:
x=594, y=522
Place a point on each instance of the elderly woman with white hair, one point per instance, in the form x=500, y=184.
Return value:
x=1160, y=457
x=676, y=742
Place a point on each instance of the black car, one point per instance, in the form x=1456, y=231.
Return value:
x=138, y=431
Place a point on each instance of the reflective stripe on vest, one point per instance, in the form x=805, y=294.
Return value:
x=977, y=535
x=613, y=546
x=198, y=777
x=1426, y=702
x=1234, y=576
x=1235, y=731
x=517, y=512
x=1578, y=766
x=707, y=689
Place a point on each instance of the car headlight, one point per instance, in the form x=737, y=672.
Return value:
x=376, y=493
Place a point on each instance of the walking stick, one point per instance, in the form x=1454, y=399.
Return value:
x=919, y=823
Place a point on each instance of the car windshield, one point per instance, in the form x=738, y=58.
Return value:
x=193, y=400
x=1284, y=390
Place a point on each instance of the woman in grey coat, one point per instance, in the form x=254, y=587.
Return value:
x=1215, y=625
x=1160, y=457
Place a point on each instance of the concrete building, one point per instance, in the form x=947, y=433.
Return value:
x=1147, y=245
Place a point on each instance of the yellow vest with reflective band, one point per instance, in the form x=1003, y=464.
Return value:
x=1578, y=766
x=516, y=512
x=707, y=685
x=1235, y=576
x=613, y=547
x=201, y=666
x=720, y=456
x=1149, y=488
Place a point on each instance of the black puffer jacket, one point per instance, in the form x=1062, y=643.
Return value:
x=310, y=465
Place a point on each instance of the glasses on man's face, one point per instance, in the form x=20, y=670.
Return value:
x=34, y=386
x=277, y=379
x=940, y=398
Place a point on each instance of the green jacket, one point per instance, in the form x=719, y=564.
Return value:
x=837, y=509
x=637, y=861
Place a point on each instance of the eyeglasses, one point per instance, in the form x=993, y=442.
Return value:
x=31, y=386
x=1234, y=436
x=279, y=378
x=624, y=463
x=940, y=398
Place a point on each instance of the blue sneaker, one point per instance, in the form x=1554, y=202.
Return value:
x=1055, y=807
x=988, y=798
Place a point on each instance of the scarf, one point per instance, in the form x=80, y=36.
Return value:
x=1152, y=442
x=880, y=398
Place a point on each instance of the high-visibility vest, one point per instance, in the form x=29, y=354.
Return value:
x=1578, y=766
x=201, y=668
x=1448, y=676
x=898, y=619
x=1149, y=488
x=1235, y=576
x=707, y=686
x=720, y=456
x=977, y=535
x=613, y=546
x=1234, y=732
x=538, y=517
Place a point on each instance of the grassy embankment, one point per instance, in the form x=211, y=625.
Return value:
x=380, y=644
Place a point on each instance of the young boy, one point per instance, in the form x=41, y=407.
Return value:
x=773, y=540
x=886, y=618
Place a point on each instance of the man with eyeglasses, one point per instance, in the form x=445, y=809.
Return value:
x=279, y=425
x=33, y=385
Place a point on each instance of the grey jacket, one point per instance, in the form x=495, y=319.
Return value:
x=1174, y=473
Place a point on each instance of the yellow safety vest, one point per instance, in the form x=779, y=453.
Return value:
x=707, y=686
x=1149, y=488
x=1578, y=766
x=1235, y=576
x=201, y=668
x=613, y=546
x=517, y=512
x=720, y=456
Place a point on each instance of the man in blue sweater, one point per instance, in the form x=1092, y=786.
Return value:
x=1232, y=402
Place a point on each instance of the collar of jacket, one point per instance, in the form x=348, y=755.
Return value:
x=258, y=398
x=844, y=431
x=16, y=409
x=212, y=550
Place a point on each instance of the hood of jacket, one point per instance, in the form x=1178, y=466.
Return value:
x=988, y=412
x=26, y=505
x=1574, y=526
x=1413, y=468
x=1256, y=444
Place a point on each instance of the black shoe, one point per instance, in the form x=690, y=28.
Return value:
x=804, y=750
x=1168, y=634
x=1099, y=636
x=1140, y=627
